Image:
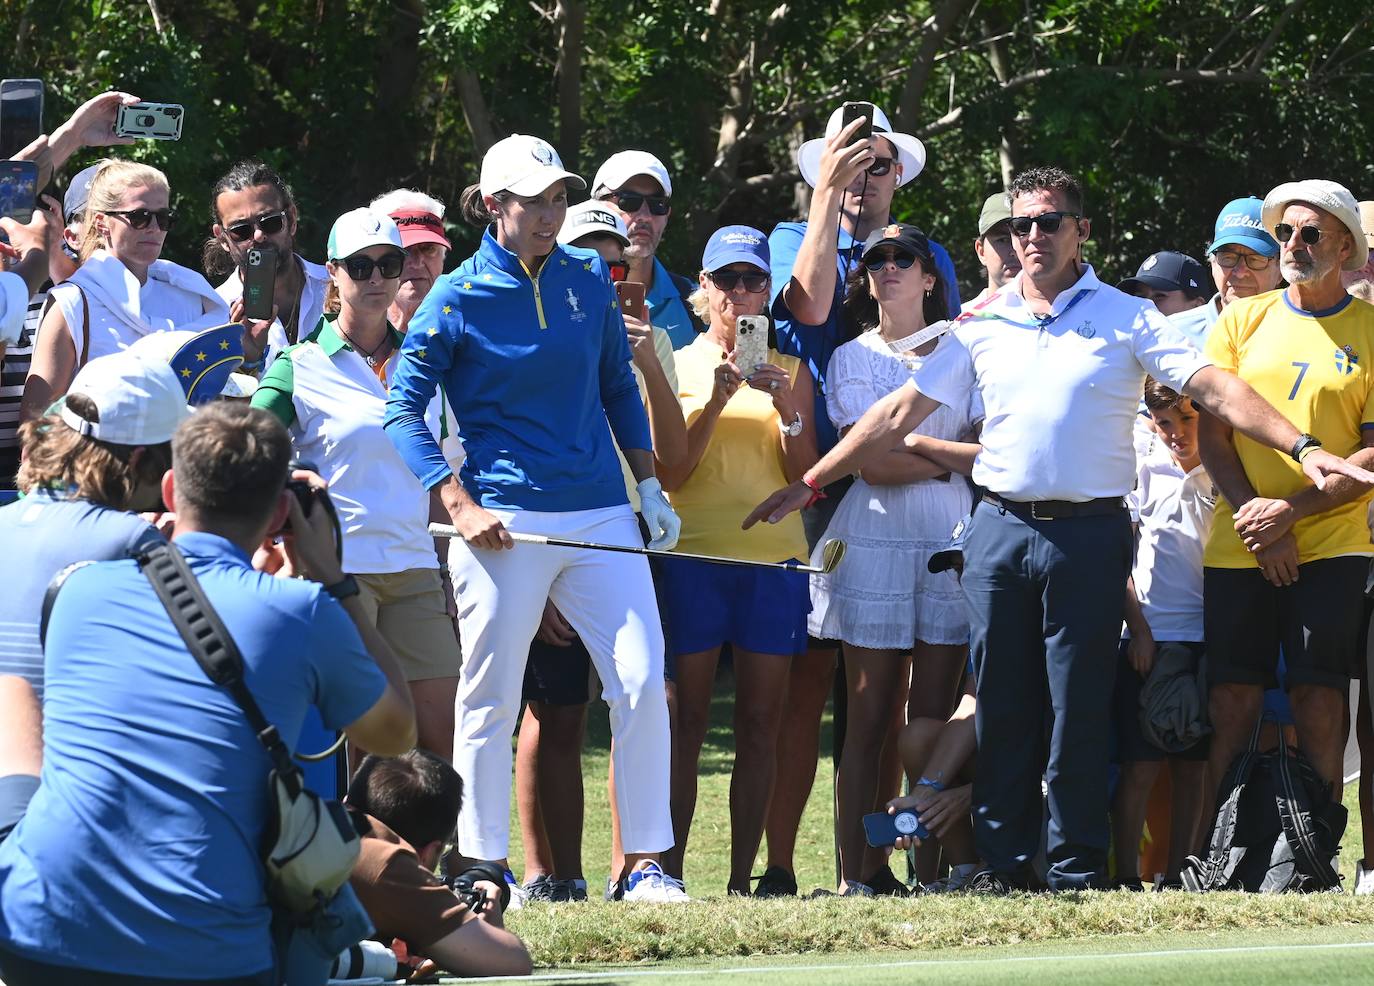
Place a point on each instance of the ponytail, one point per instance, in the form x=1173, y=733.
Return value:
x=473, y=208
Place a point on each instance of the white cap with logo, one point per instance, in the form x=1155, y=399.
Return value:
x=1331, y=196
x=523, y=165
x=591, y=217
x=624, y=165
x=138, y=401
x=359, y=229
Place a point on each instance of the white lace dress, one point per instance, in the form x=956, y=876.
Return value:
x=882, y=595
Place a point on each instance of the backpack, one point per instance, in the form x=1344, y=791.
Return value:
x=1277, y=828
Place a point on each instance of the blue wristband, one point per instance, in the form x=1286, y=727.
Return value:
x=935, y=786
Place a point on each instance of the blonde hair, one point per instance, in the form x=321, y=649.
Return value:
x=108, y=188
x=700, y=303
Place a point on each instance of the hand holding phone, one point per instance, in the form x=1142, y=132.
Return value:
x=751, y=343
x=631, y=297
x=21, y=114
x=853, y=111
x=259, y=282
x=18, y=190
x=882, y=830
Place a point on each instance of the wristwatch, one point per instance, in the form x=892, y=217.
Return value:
x=342, y=589
x=792, y=430
x=1304, y=443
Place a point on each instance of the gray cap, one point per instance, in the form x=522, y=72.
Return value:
x=78, y=191
x=996, y=209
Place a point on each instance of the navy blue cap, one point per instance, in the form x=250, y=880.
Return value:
x=952, y=554
x=737, y=245
x=1171, y=271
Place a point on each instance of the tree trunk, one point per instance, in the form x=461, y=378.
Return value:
x=572, y=20
x=475, y=111
x=393, y=154
x=943, y=20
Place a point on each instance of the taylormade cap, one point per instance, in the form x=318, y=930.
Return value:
x=996, y=209
x=589, y=218
x=138, y=400
x=1331, y=196
x=624, y=165
x=523, y=165
x=360, y=229
x=737, y=245
x=1171, y=271
x=1240, y=224
x=202, y=361
x=419, y=226
x=910, y=151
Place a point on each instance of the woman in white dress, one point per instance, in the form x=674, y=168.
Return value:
x=122, y=291
x=883, y=602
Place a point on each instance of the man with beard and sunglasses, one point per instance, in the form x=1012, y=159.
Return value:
x=1286, y=563
x=1059, y=360
x=253, y=207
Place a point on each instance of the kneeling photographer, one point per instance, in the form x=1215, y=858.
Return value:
x=407, y=808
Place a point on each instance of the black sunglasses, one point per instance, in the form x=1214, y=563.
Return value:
x=360, y=268
x=1311, y=235
x=1049, y=222
x=727, y=279
x=880, y=166
x=631, y=201
x=270, y=224
x=143, y=218
x=877, y=261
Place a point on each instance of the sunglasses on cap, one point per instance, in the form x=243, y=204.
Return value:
x=270, y=224
x=1311, y=235
x=632, y=201
x=876, y=261
x=1227, y=260
x=360, y=268
x=1049, y=222
x=143, y=218
x=726, y=280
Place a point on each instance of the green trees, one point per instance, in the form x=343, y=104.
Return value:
x=1166, y=108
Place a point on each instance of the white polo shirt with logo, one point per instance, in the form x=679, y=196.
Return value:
x=332, y=403
x=1060, y=393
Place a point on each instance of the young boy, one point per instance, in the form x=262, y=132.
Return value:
x=1172, y=509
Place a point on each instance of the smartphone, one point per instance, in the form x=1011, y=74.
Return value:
x=618, y=269
x=151, y=121
x=21, y=114
x=631, y=295
x=851, y=112
x=18, y=189
x=882, y=829
x=259, y=282
x=751, y=343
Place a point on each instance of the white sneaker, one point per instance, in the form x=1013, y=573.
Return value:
x=649, y=883
x=518, y=894
x=1364, y=880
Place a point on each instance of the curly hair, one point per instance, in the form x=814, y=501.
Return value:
x=1049, y=179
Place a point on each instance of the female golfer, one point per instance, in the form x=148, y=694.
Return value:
x=527, y=341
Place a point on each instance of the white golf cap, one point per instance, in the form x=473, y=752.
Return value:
x=624, y=165
x=1331, y=196
x=138, y=401
x=592, y=216
x=910, y=151
x=360, y=229
x=523, y=165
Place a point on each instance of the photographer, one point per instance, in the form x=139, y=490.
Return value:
x=407, y=807
x=138, y=854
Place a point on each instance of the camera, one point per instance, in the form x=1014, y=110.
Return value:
x=145, y=119
x=464, y=886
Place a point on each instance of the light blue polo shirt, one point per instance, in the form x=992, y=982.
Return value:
x=666, y=309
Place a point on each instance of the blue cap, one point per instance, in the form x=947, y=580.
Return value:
x=202, y=361
x=1240, y=223
x=737, y=245
x=952, y=554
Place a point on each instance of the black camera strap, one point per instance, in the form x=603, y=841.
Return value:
x=214, y=649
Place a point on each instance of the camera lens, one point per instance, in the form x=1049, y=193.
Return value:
x=146, y=119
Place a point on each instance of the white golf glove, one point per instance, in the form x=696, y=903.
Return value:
x=658, y=514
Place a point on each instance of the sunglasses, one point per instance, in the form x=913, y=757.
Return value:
x=270, y=224
x=880, y=166
x=1311, y=235
x=1228, y=260
x=1049, y=222
x=360, y=268
x=143, y=218
x=631, y=202
x=878, y=261
x=726, y=280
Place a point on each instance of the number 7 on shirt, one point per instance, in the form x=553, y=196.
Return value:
x=1302, y=371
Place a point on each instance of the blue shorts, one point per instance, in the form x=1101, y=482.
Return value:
x=762, y=610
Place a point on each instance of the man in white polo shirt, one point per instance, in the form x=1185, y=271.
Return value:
x=1059, y=360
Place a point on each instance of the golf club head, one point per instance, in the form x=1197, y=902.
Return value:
x=831, y=555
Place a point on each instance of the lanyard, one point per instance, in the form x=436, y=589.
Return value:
x=1040, y=323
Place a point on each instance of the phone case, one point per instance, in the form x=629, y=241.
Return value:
x=150, y=121
x=882, y=829
x=259, y=283
x=21, y=114
x=751, y=342
x=851, y=112
x=631, y=297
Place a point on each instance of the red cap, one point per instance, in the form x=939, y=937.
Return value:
x=419, y=226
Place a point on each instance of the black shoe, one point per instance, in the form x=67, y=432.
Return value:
x=776, y=882
x=1132, y=884
x=990, y=883
x=884, y=883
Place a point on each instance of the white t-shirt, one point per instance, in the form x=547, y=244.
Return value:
x=311, y=306
x=1174, y=511
x=1060, y=398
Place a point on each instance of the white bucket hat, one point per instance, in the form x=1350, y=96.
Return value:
x=910, y=151
x=138, y=401
x=1332, y=196
x=523, y=165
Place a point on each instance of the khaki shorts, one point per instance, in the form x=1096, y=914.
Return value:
x=407, y=609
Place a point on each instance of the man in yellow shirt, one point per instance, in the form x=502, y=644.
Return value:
x=1286, y=562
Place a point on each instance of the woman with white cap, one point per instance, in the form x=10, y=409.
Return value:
x=122, y=290
x=330, y=392
x=528, y=343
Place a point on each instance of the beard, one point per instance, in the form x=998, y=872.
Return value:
x=1303, y=269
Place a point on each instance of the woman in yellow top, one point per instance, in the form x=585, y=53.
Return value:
x=749, y=429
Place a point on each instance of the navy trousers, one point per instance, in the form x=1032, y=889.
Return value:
x=1045, y=600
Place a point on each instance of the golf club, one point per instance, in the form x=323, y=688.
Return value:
x=831, y=552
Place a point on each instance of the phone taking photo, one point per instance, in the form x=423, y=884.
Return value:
x=631, y=297
x=21, y=114
x=18, y=189
x=259, y=282
x=751, y=343
x=853, y=111
x=150, y=121
x=882, y=829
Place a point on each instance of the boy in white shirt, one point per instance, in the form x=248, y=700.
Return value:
x=1171, y=507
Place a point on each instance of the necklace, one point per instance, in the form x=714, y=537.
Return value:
x=370, y=357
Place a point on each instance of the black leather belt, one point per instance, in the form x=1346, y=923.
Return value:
x=1057, y=509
